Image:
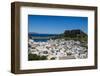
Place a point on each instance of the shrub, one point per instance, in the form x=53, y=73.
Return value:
x=36, y=57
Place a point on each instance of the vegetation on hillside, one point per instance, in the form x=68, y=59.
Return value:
x=36, y=57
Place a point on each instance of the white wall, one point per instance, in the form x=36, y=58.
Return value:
x=5, y=33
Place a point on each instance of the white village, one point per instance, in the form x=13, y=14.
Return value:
x=58, y=49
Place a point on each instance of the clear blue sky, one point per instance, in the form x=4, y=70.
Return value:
x=56, y=24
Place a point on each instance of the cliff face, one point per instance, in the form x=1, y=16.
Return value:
x=74, y=33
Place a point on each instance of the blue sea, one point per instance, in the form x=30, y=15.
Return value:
x=41, y=35
x=41, y=40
